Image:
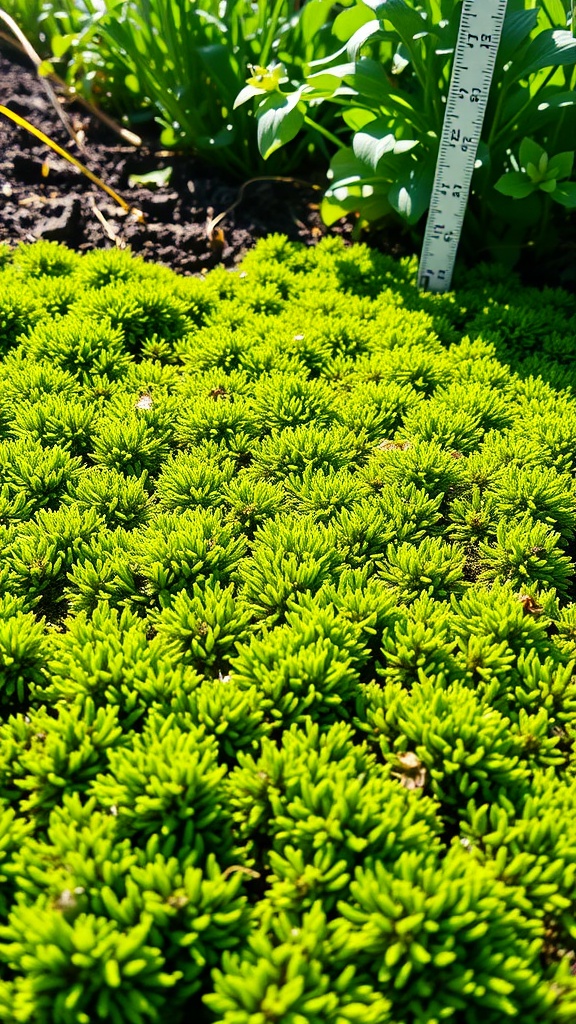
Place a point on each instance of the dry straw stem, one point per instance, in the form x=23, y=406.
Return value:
x=108, y=229
x=23, y=123
x=51, y=76
x=37, y=61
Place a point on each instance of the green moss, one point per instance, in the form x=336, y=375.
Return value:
x=287, y=643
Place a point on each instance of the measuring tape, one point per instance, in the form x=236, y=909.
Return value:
x=474, y=60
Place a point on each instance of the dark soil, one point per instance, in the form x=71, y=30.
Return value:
x=44, y=196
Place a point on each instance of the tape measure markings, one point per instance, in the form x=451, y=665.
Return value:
x=478, y=38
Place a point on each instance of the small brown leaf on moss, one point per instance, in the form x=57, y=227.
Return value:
x=240, y=867
x=394, y=446
x=529, y=606
x=413, y=773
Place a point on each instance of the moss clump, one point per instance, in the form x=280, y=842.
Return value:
x=287, y=643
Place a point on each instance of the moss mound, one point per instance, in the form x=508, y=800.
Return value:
x=287, y=643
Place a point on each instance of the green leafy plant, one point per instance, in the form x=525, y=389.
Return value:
x=390, y=80
x=535, y=170
x=21, y=638
x=181, y=63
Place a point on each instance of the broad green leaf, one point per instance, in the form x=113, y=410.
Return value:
x=410, y=194
x=515, y=105
x=347, y=172
x=322, y=61
x=357, y=117
x=565, y=194
x=373, y=87
x=561, y=164
x=247, y=93
x=405, y=146
x=313, y=17
x=552, y=103
x=375, y=207
x=345, y=166
x=343, y=200
x=447, y=8
x=407, y=22
x=279, y=121
x=546, y=107
x=555, y=78
x=369, y=78
x=515, y=31
x=349, y=21
x=327, y=81
x=354, y=188
x=371, y=30
x=530, y=152
x=45, y=68
x=372, y=209
x=515, y=184
x=373, y=141
x=548, y=49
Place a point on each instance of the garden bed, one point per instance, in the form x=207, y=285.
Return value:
x=60, y=205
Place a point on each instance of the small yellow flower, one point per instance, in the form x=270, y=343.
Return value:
x=267, y=79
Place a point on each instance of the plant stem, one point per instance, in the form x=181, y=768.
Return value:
x=499, y=102
x=494, y=135
x=324, y=131
x=269, y=39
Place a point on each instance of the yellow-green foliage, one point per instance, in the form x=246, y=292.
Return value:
x=287, y=643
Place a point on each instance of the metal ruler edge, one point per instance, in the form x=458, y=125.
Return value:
x=475, y=55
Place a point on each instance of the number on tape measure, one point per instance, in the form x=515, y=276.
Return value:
x=474, y=59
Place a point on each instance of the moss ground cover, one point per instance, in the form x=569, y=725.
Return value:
x=287, y=643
